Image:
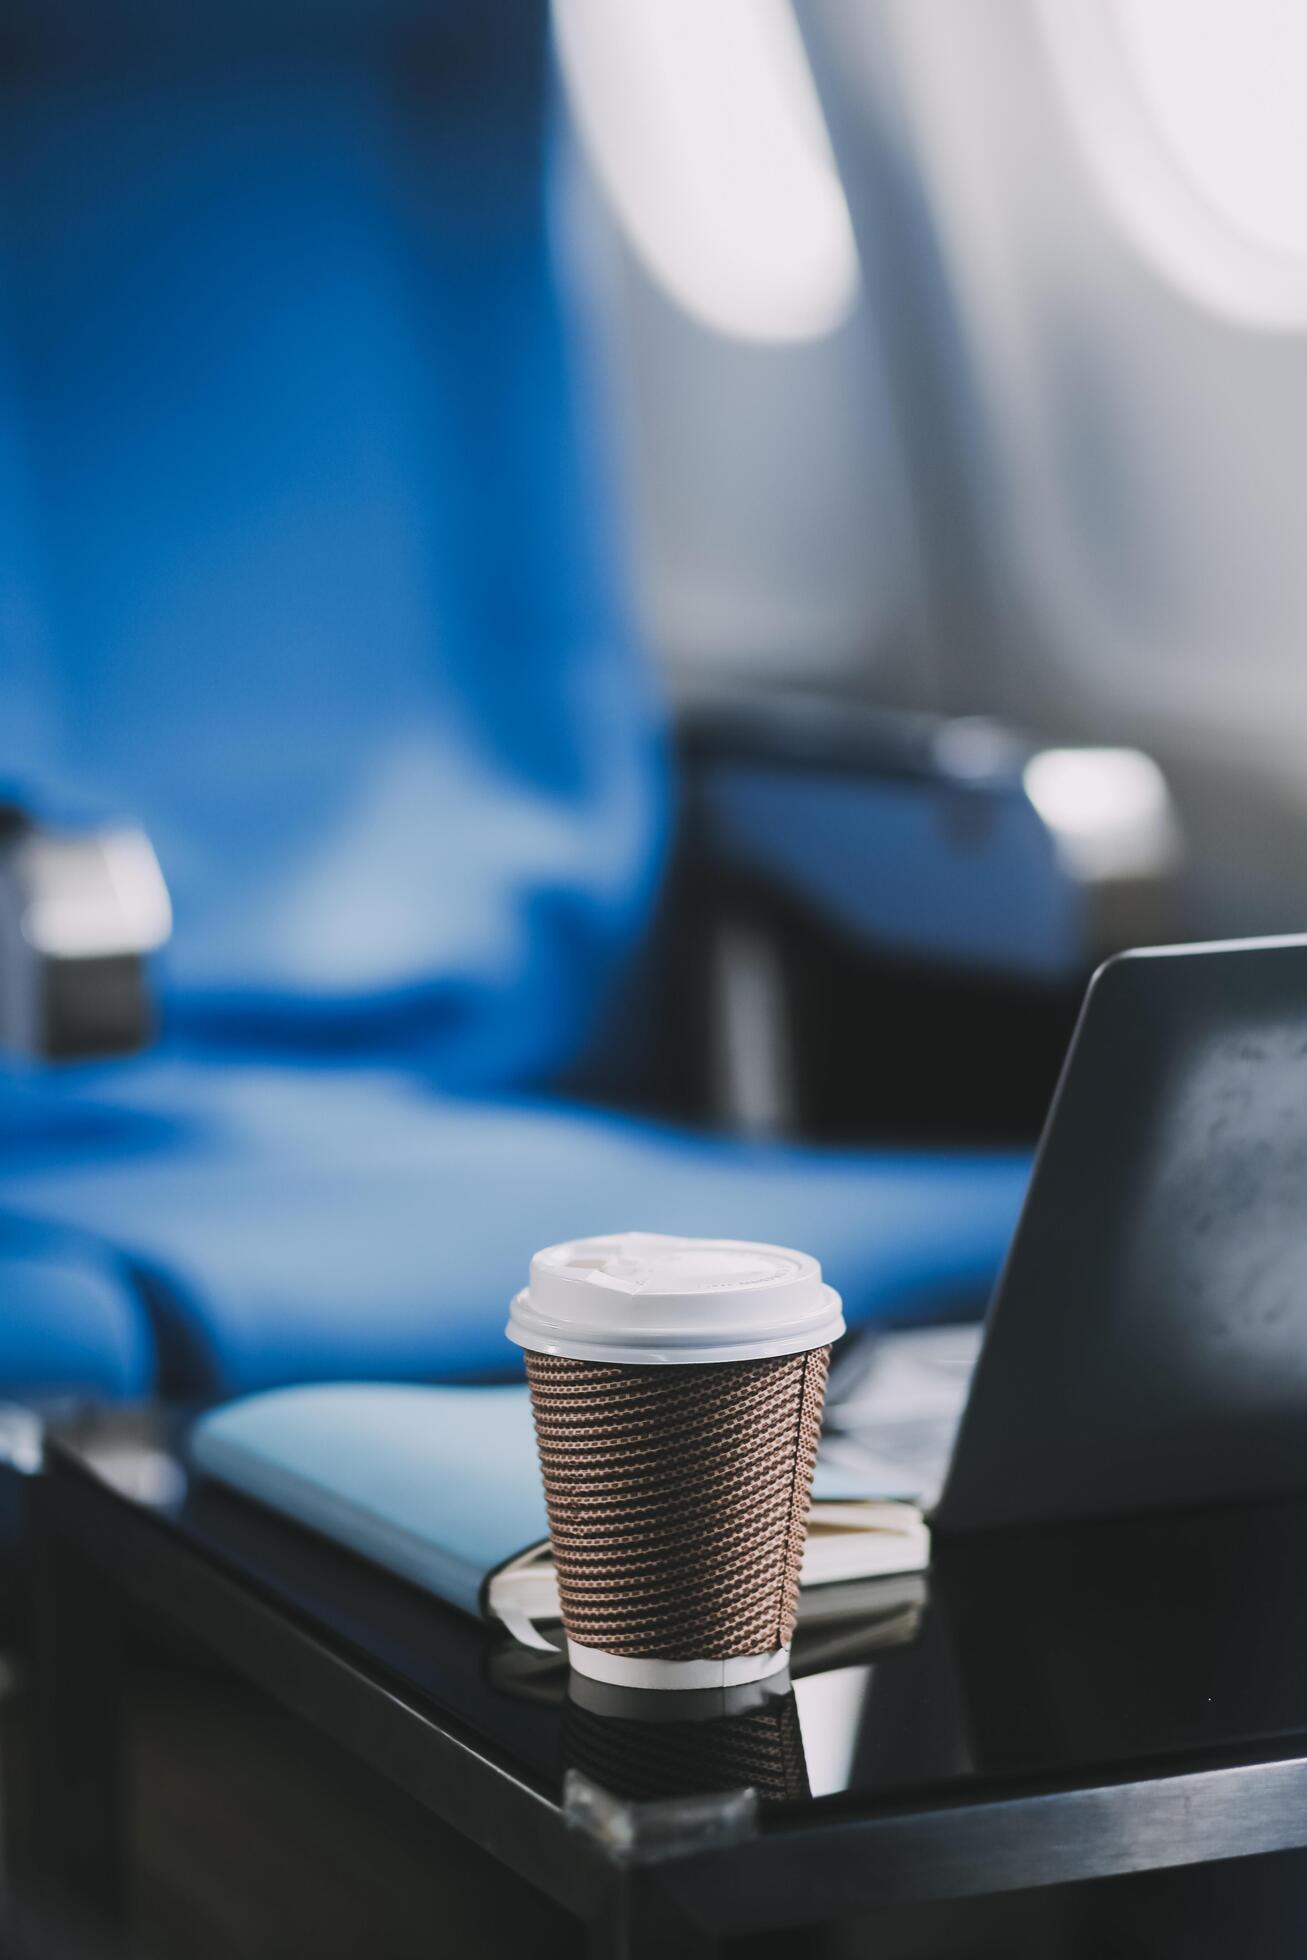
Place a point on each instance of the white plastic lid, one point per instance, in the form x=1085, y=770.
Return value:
x=643, y=1299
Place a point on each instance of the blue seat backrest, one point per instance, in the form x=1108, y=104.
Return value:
x=306, y=549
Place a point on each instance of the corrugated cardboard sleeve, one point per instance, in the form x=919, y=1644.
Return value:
x=678, y=1499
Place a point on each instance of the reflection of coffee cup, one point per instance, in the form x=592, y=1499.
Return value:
x=644, y=1747
x=677, y=1387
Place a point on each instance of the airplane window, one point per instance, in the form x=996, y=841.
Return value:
x=1226, y=86
x=1191, y=114
x=703, y=126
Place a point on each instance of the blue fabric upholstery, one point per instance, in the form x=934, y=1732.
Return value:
x=71, y=1321
x=305, y=562
x=303, y=537
x=292, y=1224
x=862, y=849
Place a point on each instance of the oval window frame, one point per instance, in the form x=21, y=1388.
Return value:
x=1155, y=198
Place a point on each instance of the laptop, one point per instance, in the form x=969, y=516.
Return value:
x=1146, y=1344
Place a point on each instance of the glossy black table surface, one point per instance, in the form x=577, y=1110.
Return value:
x=1115, y=1697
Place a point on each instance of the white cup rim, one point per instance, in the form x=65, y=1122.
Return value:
x=648, y=1299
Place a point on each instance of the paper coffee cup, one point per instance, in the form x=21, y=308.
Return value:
x=677, y=1388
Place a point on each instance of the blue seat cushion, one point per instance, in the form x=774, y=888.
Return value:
x=71, y=1320
x=294, y=1224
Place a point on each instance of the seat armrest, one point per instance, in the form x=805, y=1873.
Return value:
x=956, y=867
x=954, y=843
x=81, y=911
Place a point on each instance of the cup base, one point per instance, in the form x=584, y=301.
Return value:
x=625, y=1671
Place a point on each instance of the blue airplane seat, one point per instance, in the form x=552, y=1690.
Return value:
x=312, y=566
x=299, y=1223
x=308, y=563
